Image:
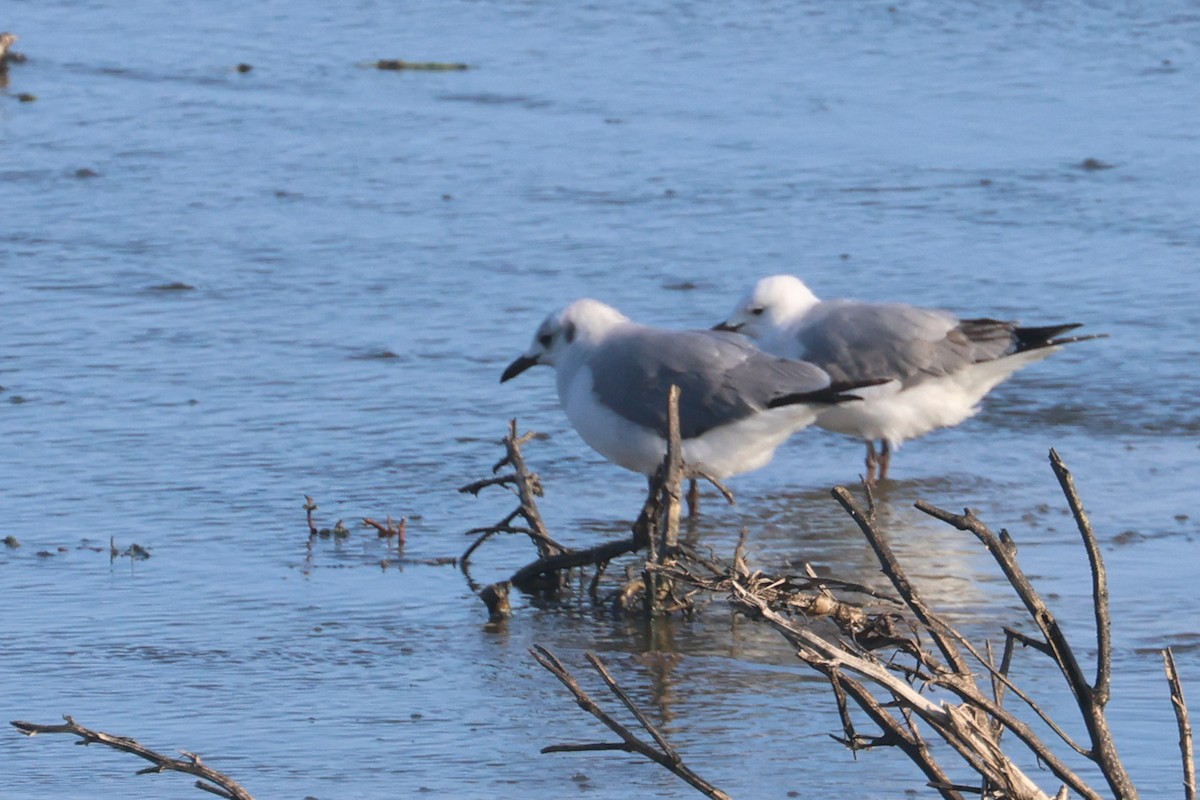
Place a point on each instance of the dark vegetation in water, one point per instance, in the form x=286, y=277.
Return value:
x=1094, y=165
x=393, y=532
x=397, y=64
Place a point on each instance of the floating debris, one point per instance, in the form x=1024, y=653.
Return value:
x=389, y=529
x=173, y=286
x=26, y=97
x=11, y=542
x=243, y=68
x=85, y=172
x=417, y=66
x=382, y=354
x=1094, y=165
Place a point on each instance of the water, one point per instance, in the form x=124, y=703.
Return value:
x=222, y=291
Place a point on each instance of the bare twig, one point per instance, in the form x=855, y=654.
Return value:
x=528, y=487
x=672, y=484
x=716, y=484
x=212, y=781
x=310, y=506
x=908, y=592
x=390, y=530
x=659, y=752
x=667, y=484
x=1184, y=723
x=957, y=725
x=1090, y=698
x=1101, y=686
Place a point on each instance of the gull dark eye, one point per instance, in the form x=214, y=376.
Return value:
x=758, y=312
x=545, y=339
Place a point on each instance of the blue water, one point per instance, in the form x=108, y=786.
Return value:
x=220, y=292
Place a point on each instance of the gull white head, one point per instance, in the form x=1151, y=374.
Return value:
x=582, y=323
x=772, y=305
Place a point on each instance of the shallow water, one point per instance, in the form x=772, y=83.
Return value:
x=224, y=291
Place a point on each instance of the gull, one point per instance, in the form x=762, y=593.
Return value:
x=939, y=366
x=737, y=404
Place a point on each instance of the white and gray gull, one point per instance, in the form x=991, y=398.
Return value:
x=940, y=367
x=737, y=404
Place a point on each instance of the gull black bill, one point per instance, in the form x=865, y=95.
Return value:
x=517, y=367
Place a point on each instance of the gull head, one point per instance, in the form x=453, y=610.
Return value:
x=770, y=306
x=582, y=324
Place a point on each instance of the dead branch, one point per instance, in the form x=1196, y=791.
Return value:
x=656, y=528
x=310, y=506
x=660, y=751
x=1101, y=687
x=1091, y=698
x=211, y=781
x=1185, y=725
x=883, y=687
x=538, y=574
x=958, y=726
x=390, y=530
x=527, y=486
x=908, y=593
x=667, y=484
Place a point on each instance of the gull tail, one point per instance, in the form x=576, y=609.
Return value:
x=832, y=394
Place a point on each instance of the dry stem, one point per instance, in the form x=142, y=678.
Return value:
x=1185, y=725
x=212, y=781
x=660, y=752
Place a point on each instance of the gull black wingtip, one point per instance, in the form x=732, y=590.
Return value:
x=725, y=326
x=831, y=395
x=517, y=367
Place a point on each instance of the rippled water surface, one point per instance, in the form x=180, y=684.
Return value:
x=221, y=291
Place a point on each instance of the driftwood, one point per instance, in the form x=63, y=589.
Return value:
x=878, y=662
x=211, y=781
x=660, y=751
x=656, y=529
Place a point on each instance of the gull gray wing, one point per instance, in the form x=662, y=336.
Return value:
x=722, y=377
x=858, y=341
